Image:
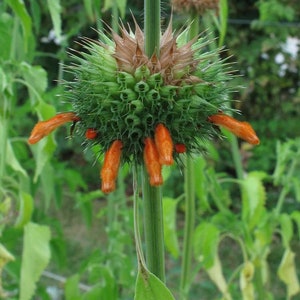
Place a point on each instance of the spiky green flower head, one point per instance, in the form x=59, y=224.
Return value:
x=121, y=94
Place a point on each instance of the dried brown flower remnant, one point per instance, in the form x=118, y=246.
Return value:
x=198, y=6
x=173, y=61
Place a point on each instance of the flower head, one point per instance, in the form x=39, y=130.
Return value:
x=144, y=109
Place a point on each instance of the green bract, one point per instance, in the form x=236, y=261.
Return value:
x=126, y=98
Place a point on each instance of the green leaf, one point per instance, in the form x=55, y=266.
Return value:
x=45, y=110
x=246, y=281
x=206, y=240
x=36, y=81
x=296, y=217
x=274, y=10
x=5, y=257
x=96, y=293
x=19, y=8
x=43, y=151
x=223, y=15
x=170, y=232
x=120, y=3
x=296, y=185
x=88, y=5
x=228, y=221
x=35, y=257
x=36, y=76
x=149, y=287
x=287, y=154
x=288, y=274
x=107, y=5
x=72, y=291
x=5, y=206
x=35, y=12
x=254, y=197
x=264, y=233
x=47, y=177
x=25, y=209
x=201, y=183
x=109, y=286
x=166, y=172
x=220, y=196
x=3, y=80
x=283, y=154
x=215, y=273
x=286, y=229
x=6, y=25
x=55, y=11
x=85, y=207
x=122, y=7
x=12, y=161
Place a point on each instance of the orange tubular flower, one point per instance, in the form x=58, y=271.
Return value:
x=110, y=167
x=43, y=128
x=164, y=145
x=241, y=129
x=151, y=158
x=180, y=148
x=91, y=134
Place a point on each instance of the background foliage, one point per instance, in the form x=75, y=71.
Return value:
x=247, y=231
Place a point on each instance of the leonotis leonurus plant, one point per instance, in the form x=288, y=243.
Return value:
x=144, y=109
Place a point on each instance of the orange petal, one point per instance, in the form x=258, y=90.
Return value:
x=152, y=164
x=241, y=129
x=43, y=128
x=164, y=145
x=109, y=171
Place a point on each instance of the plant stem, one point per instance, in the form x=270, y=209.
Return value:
x=189, y=186
x=223, y=15
x=152, y=26
x=152, y=198
x=259, y=282
x=188, y=227
x=98, y=14
x=115, y=16
x=286, y=188
x=3, y=127
x=236, y=157
x=194, y=22
x=153, y=227
x=137, y=235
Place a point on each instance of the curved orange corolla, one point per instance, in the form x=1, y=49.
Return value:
x=164, y=144
x=43, y=128
x=109, y=171
x=151, y=159
x=241, y=129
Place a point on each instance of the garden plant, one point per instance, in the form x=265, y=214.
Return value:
x=184, y=206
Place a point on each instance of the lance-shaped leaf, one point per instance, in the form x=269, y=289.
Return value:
x=246, y=284
x=287, y=273
x=35, y=257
